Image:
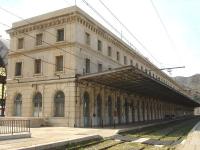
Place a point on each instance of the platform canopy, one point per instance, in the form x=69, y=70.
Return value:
x=133, y=80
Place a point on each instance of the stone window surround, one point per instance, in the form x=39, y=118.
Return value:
x=22, y=65
x=19, y=44
x=87, y=38
x=38, y=73
x=59, y=71
x=58, y=38
x=99, y=45
x=37, y=43
x=109, y=49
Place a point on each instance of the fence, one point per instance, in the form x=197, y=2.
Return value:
x=14, y=126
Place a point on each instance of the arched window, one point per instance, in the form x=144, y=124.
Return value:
x=126, y=107
x=110, y=117
x=99, y=109
x=18, y=105
x=119, y=110
x=59, y=104
x=86, y=109
x=37, y=105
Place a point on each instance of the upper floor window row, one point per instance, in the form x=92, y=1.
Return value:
x=59, y=66
x=60, y=36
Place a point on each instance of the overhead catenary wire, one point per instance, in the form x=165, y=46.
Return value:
x=43, y=59
x=90, y=6
x=126, y=28
x=93, y=9
x=164, y=27
x=95, y=63
x=25, y=20
x=44, y=42
x=162, y=23
x=119, y=32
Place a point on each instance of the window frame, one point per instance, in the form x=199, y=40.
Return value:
x=18, y=43
x=87, y=38
x=57, y=35
x=100, y=67
x=99, y=45
x=109, y=48
x=38, y=73
x=16, y=74
x=18, y=102
x=125, y=60
x=131, y=62
x=118, y=56
x=37, y=43
x=59, y=101
x=37, y=105
x=56, y=62
x=87, y=69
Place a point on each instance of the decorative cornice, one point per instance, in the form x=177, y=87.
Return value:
x=42, y=25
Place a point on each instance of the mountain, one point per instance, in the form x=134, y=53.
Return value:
x=191, y=84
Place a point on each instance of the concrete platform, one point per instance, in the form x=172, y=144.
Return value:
x=49, y=137
x=192, y=141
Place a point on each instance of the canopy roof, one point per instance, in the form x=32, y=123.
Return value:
x=133, y=80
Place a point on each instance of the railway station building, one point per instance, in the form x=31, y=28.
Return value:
x=66, y=69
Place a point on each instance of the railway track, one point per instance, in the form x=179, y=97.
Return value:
x=172, y=132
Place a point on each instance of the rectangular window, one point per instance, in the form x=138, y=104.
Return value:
x=18, y=69
x=99, y=45
x=125, y=60
x=87, y=38
x=100, y=67
x=87, y=65
x=20, y=43
x=131, y=62
x=142, y=68
x=60, y=35
x=109, y=51
x=59, y=63
x=39, y=39
x=136, y=65
x=37, y=66
x=118, y=56
x=150, y=72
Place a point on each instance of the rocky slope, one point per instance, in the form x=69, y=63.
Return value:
x=192, y=84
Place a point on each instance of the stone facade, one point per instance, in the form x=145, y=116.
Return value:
x=83, y=104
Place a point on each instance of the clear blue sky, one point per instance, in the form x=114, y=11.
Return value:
x=181, y=17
